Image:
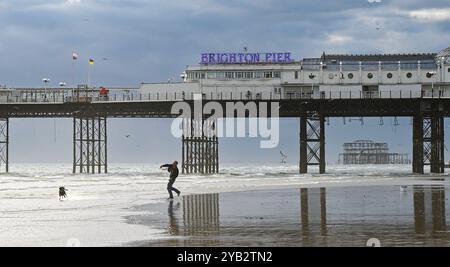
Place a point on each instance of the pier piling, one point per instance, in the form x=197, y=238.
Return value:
x=89, y=145
x=312, y=142
x=428, y=143
x=4, y=144
x=200, y=147
x=418, y=145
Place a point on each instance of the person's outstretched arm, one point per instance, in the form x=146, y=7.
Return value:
x=165, y=166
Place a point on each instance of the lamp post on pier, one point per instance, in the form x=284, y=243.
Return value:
x=45, y=81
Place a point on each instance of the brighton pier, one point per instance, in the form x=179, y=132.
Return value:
x=312, y=90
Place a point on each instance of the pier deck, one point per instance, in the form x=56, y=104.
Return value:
x=91, y=111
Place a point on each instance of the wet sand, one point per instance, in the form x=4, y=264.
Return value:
x=345, y=216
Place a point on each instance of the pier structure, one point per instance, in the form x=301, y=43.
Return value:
x=427, y=114
x=311, y=89
x=199, y=140
x=200, y=153
x=428, y=139
x=370, y=152
x=312, y=142
x=200, y=147
x=90, y=145
x=4, y=144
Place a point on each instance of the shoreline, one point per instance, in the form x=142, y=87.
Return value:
x=378, y=182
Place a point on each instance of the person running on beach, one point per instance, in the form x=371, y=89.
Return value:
x=173, y=169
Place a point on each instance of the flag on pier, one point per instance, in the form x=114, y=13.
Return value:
x=91, y=61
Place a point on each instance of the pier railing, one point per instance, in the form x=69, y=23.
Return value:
x=67, y=97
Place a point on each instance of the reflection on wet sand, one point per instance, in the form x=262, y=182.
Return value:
x=200, y=218
x=173, y=220
x=318, y=202
x=415, y=216
x=429, y=220
x=201, y=214
x=429, y=209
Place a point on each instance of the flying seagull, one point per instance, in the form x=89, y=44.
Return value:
x=378, y=26
x=283, y=157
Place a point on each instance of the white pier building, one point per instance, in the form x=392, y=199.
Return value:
x=279, y=75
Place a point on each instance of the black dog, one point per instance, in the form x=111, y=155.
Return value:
x=62, y=192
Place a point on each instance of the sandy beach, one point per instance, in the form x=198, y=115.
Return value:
x=342, y=216
x=274, y=206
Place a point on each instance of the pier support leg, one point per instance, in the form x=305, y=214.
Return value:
x=428, y=144
x=437, y=145
x=322, y=145
x=303, y=146
x=312, y=142
x=4, y=145
x=427, y=140
x=418, y=145
x=200, y=147
x=89, y=145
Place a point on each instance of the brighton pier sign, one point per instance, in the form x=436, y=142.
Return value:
x=244, y=58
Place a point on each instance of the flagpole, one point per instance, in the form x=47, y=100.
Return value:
x=89, y=75
x=73, y=76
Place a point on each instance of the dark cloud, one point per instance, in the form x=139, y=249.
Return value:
x=154, y=40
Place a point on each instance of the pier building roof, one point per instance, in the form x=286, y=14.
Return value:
x=445, y=54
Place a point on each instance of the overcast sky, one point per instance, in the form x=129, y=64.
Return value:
x=138, y=41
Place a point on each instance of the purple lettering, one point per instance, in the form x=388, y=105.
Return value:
x=279, y=57
x=232, y=58
x=249, y=58
x=287, y=57
x=204, y=58
x=224, y=60
x=241, y=57
x=256, y=57
x=211, y=59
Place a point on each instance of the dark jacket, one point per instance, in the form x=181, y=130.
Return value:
x=172, y=169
